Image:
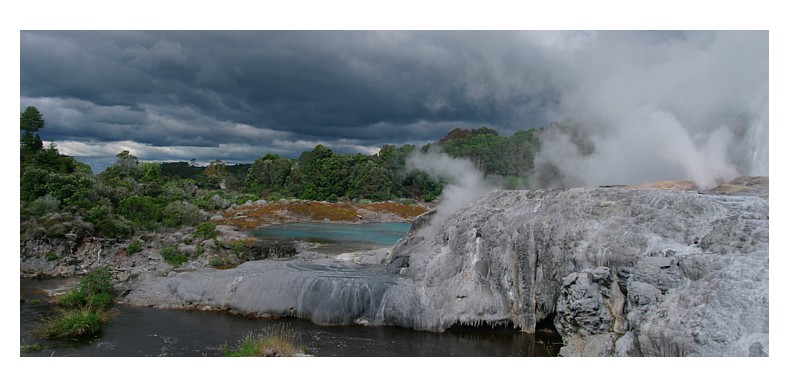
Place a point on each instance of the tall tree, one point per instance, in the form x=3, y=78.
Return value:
x=31, y=121
x=268, y=175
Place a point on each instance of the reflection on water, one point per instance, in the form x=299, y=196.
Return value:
x=141, y=331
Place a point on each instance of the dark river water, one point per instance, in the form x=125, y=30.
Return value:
x=142, y=331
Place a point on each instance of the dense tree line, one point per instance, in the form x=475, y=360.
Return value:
x=509, y=157
x=322, y=174
x=61, y=197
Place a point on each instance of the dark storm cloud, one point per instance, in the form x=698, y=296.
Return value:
x=640, y=97
x=204, y=88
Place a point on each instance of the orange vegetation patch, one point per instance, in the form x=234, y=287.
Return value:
x=251, y=216
x=335, y=212
x=256, y=215
x=401, y=210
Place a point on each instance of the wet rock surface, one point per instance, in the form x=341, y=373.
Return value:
x=322, y=290
x=619, y=271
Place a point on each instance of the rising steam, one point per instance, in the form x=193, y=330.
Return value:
x=691, y=107
x=464, y=183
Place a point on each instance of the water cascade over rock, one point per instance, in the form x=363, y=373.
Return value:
x=620, y=271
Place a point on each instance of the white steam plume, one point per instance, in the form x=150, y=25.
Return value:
x=686, y=107
x=465, y=183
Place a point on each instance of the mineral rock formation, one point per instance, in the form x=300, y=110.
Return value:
x=619, y=271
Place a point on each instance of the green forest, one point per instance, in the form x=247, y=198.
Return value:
x=62, y=197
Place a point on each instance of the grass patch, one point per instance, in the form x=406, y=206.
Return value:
x=83, y=310
x=71, y=323
x=173, y=257
x=133, y=247
x=279, y=342
x=72, y=299
x=51, y=256
x=207, y=230
x=94, y=291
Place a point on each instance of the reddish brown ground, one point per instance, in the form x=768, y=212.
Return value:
x=253, y=215
x=401, y=210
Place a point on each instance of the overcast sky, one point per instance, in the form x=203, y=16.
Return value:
x=238, y=95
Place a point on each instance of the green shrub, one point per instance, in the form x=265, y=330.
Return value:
x=97, y=281
x=238, y=248
x=72, y=323
x=115, y=228
x=72, y=299
x=172, y=256
x=142, y=210
x=82, y=310
x=181, y=213
x=51, y=256
x=100, y=300
x=44, y=205
x=133, y=247
x=95, y=291
x=206, y=230
x=211, y=201
x=58, y=229
x=107, y=224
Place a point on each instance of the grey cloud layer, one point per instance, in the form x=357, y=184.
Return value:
x=284, y=91
x=158, y=87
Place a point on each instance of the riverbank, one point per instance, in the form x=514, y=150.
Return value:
x=142, y=258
